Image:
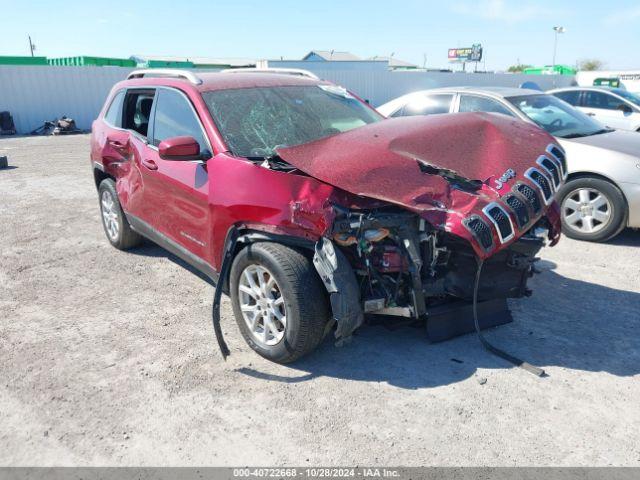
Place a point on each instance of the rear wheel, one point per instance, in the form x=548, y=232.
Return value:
x=278, y=300
x=592, y=209
x=116, y=226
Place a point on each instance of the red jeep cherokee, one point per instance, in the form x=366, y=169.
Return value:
x=311, y=211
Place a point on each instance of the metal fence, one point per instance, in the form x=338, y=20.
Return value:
x=381, y=86
x=34, y=94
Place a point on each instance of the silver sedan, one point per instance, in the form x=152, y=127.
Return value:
x=602, y=193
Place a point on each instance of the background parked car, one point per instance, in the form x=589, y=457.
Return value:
x=602, y=193
x=615, y=107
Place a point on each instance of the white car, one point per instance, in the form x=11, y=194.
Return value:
x=602, y=192
x=614, y=107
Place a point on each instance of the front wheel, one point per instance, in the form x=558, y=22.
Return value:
x=279, y=302
x=592, y=209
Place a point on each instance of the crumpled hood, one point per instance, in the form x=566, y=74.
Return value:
x=379, y=160
x=401, y=161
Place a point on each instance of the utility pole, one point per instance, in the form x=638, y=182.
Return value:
x=557, y=30
x=32, y=47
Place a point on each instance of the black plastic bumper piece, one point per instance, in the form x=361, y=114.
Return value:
x=454, y=319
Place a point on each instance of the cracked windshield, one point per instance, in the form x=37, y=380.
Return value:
x=256, y=121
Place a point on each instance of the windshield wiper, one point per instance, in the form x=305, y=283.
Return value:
x=579, y=135
x=603, y=130
x=574, y=135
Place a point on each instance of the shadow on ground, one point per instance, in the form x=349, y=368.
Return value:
x=566, y=323
x=627, y=238
x=150, y=249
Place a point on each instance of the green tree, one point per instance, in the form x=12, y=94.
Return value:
x=518, y=68
x=590, y=64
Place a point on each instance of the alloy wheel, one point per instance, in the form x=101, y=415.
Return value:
x=587, y=210
x=262, y=305
x=110, y=215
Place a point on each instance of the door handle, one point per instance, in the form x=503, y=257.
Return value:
x=591, y=114
x=150, y=164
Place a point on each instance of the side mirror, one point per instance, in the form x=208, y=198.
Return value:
x=179, y=148
x=624, y=108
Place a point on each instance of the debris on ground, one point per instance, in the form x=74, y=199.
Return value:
x=7, y=127
x=61, y=126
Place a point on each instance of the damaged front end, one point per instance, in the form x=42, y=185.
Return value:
x=450, y=194
x=394, y=263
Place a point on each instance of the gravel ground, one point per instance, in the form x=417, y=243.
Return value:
x=108, y=358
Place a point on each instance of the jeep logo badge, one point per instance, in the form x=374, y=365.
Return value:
x=506, y=176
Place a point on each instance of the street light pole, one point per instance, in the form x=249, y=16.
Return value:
x=32, y=47
x=557, y=30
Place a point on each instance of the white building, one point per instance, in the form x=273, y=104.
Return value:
x=629, y=79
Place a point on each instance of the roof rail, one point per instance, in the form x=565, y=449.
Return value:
x=284, y=71
x=166, y=72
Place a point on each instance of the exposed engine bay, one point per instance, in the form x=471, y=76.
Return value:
x=403, y=265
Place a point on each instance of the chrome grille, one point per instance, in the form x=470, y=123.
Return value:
x=561, y=158
x=539, y=179
x=532, y=197
x=552, y=168
x=519, y=209
x=501, y=219
x=480, y=230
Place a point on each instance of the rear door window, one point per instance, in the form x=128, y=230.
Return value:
x=572, y=97
x=474, y=103
x=428, y=105
x=600, y=100
x=137, y=111
x=114, y=114
x=175, y=117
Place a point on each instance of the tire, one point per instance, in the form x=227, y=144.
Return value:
x=115, y=224
x=592, y=209
x=298, y=296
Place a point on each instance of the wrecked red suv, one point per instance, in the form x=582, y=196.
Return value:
x=312, y=211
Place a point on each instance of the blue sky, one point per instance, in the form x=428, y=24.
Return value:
x=508, y=29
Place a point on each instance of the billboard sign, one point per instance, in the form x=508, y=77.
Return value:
x=467, y=54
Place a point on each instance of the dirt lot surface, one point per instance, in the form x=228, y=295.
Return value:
x=108, y=358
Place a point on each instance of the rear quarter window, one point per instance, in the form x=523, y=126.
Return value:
x=136, y=108
x=113, y=116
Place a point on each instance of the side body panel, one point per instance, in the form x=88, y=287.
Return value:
x=621, y=169
x=613, y=118
x=248, y=196
x=174, y=200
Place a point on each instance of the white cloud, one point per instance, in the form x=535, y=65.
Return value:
x=622, y=16
x=500, y=10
